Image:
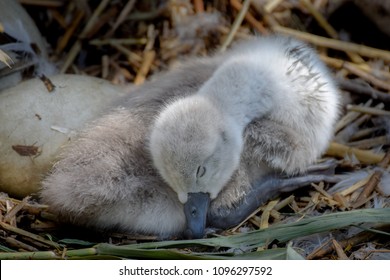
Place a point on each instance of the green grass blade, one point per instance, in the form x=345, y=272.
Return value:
x=69, y=241
x=283, y=232
x=243, y=243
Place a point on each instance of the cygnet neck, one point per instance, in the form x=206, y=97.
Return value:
x=240, y=89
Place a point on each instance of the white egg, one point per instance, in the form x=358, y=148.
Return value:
x=35, y=123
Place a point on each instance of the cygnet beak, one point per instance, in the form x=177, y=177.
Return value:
x=195, y=210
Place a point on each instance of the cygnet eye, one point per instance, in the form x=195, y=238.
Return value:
x=201, y=171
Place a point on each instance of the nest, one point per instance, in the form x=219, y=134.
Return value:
x=127, y=41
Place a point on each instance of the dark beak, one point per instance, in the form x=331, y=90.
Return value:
x=195, y=210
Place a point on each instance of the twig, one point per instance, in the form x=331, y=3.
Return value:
x=12, y=213
x=57, y=16
x=339, y=250
x=43, y=255
x=19, y=244
x=328, y=28
x=77, y=45
x=364, y=156
x=145, y=67
x=271, y=5
x=122, y=17
x=333, y=44
x=320, y=251
x=247, y=218
x=364, y=89
x=326, y=248
x=146, y=16
x=385, y=161
x=368, y=110
x=343, y=203
x=250, y=18
x=131, y=56
x=105, y=66
x=350, y=130
x=371, y=142
x=366, y=76
x=320, y=19
x=28, y=234
x=349, y=117
x=49, y=255
x=113, y=41
x=266, y=213
x=339, y=64
x=369, y=188
x=320, y=189
x=362, y=133
x=356, y=186
x=236, y=25
x=9, y=205
x=284, y=203
x=151, y=34
x=69, y=32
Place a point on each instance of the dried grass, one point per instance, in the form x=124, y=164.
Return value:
x=126, y=42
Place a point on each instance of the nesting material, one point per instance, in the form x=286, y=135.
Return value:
x=362, y=72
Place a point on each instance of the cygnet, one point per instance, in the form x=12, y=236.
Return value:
x=195, y=141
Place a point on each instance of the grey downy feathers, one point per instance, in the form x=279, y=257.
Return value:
x=196, y=140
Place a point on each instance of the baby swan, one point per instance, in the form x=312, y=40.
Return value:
x=212, y=129
x=196, y=143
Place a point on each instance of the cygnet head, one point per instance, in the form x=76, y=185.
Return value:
x=196, y=149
